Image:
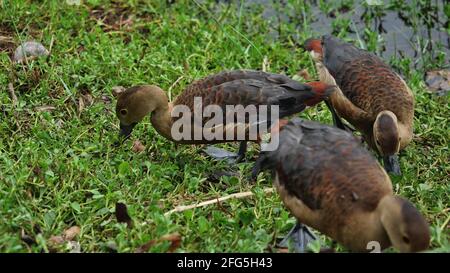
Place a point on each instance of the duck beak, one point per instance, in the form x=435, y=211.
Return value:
x=125, y=130
x=391, y=164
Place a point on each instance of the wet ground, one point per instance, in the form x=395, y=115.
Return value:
x=416, y=29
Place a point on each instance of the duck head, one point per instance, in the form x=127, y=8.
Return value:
x=314, y=46
x=406, y=228
x=135, y=103
x=386, y=138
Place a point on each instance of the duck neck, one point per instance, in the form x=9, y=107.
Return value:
x=162, y=122
x=160, y=116
x=343, y=106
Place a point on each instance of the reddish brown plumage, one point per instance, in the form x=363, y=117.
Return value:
x=368, y=87
x=313, y=45
x=229, y=88
x=330, y=182
x=249, y=87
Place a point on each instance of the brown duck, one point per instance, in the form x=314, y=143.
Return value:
x=371, y=96
x=238, y=87
x=329, y=182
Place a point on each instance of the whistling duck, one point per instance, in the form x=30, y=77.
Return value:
x=371, y=96
x=330, y=182
x=238, y=87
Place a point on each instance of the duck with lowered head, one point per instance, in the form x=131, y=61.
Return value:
x=331, y=183
x=237, y=87
x=371, y=96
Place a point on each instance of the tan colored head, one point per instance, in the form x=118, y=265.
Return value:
x=407, y=229
x=386, y=134
x=135, y=103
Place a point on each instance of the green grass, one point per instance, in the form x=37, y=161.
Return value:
x=59, y=168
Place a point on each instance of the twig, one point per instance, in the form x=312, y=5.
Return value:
x=216, y=200
x=445, y=223
x=172, y=86
x=12, y=94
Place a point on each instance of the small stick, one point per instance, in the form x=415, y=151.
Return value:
x=12, y=94
x=216, y=200
x=172, y=86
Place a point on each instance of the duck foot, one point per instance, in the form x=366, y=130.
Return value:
x=222, y=154
x=300, y=236
x=392, y=165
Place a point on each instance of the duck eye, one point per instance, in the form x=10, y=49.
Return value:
x=123, y=112
x=405, y=239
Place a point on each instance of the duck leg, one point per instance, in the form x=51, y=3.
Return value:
x=241, y=152
x=300, y=236
x=337, y=120
x=392, y=165
x=222, y=154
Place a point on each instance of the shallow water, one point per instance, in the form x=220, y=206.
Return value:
x=419, y=33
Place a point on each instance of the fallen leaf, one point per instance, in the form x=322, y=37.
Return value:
x=283, y=250
x=55, y=241
x=122, y=214
x=70, y=233
x=438, y=81
x=304, y=74
x=44, y=108
x=174, y=238
x=138, y=146
x=29, y=50
x=80, y=105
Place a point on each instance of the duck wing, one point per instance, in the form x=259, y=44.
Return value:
x=326, y=168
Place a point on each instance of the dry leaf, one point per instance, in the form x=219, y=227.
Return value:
x=55, y=241
x=174, y=238
x=70, y=233
x=122, y=214
x=44, y=108
x=282, y=250
x=138, y=146
x=80, y=104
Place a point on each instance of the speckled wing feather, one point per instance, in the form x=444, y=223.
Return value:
x=325, y=168
x=366, y=80
x=247, y=87
x=203, y=87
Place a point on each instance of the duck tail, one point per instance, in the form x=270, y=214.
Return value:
x=321, y=91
